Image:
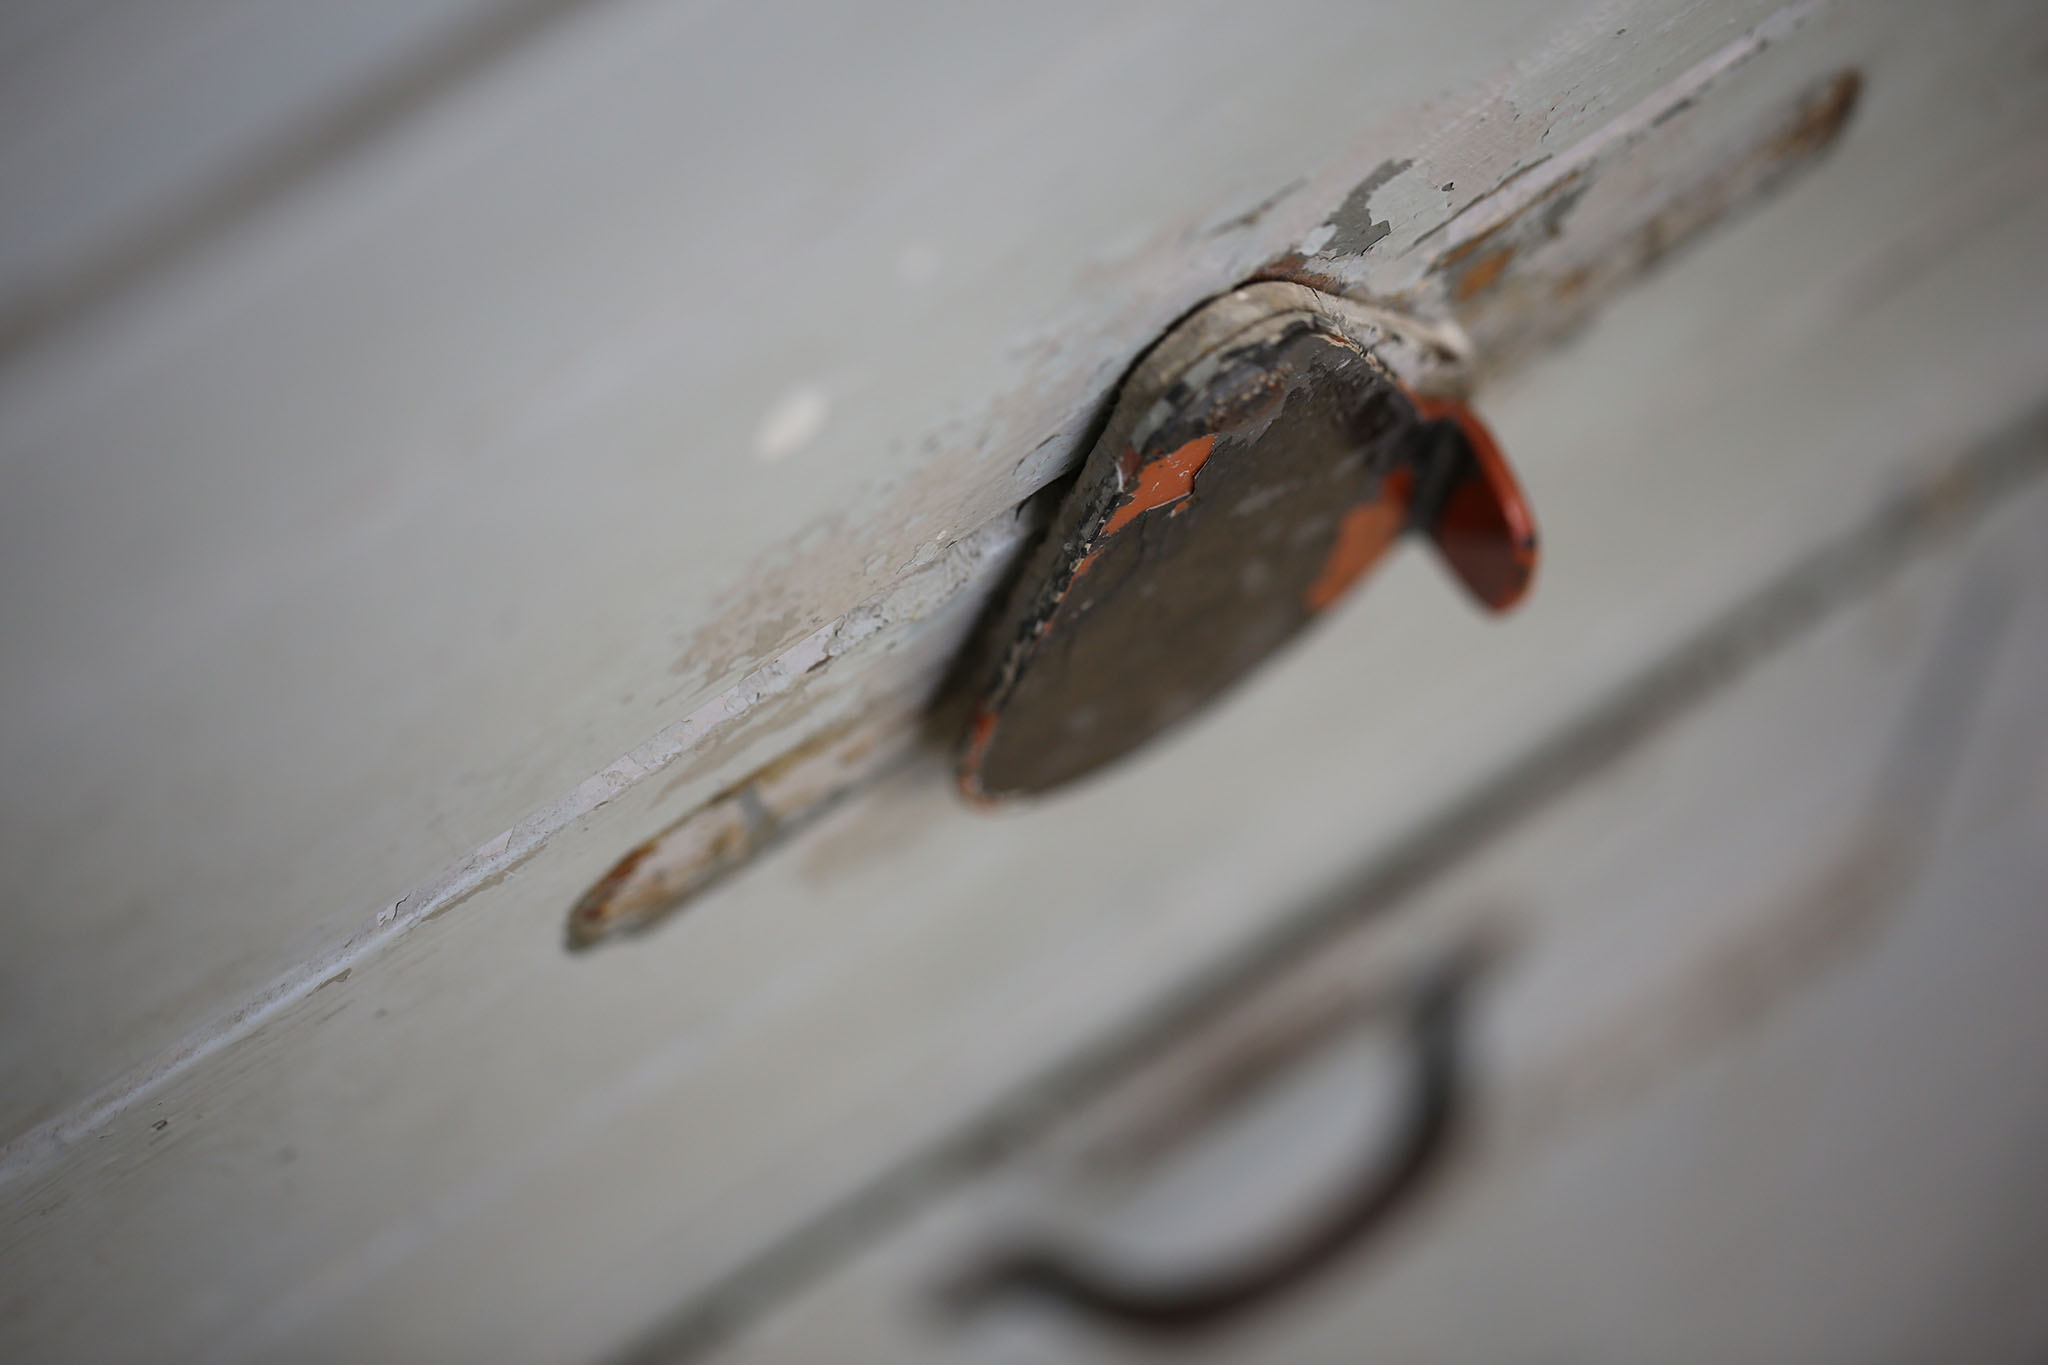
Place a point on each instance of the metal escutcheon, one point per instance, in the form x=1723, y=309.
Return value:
x=1259, y=460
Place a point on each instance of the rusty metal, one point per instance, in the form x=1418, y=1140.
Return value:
x=1258, y=462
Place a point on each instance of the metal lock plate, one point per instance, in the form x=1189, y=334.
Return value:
x=1259, y=460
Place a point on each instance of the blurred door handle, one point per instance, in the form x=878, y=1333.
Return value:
x=1129, y=1298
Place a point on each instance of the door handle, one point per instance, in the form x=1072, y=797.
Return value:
x=1385, y=1181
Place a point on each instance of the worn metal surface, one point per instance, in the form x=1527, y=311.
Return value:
x=1259, y=461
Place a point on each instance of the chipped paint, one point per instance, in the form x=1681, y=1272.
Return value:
x=704, y=847
x=1312, y=459
x=1353, y=229
x=1535, y=271
x=1467, y=164
x=1553, y=234
x=731, y=664
x=918, y=619
x=1367, y=531
x=1481, y=274
x=1165, y=480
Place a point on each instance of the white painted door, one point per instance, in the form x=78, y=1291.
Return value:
x=445, y=445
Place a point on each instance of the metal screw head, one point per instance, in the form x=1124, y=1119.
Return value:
x=1258, y=462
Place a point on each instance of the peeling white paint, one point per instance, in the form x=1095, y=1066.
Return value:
x=793, y=421
x=876, y=626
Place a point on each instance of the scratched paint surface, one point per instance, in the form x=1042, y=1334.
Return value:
x=1661, y=1068
x=323, y=457
x=1259, y=461
x=543, y=1093
x=1516, y=269
x=657, y=877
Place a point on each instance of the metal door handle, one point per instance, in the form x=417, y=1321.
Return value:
x=1388, y=1180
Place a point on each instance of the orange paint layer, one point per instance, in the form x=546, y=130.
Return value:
x=979, y=734
x=1362, y=537
x=1481, y=274
x=1485, y=532
x=1166, y=479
